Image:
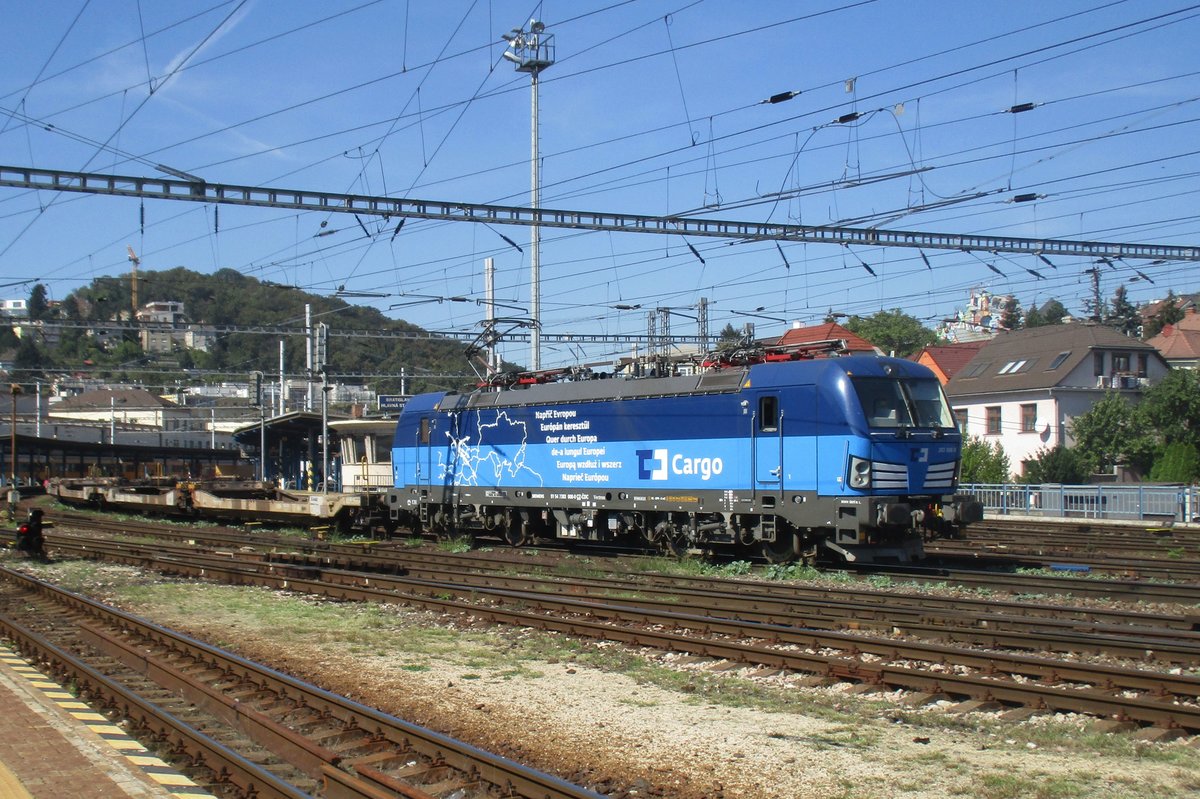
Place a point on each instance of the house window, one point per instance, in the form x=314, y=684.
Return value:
x=1029, y=418
x=1143, y=364
x=960, y=416
x=1058, y=360
x=1098, y=363
x=977, y=369
x=1120, y=363
x=993, y=420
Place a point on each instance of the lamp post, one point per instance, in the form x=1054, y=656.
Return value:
x=533, y=52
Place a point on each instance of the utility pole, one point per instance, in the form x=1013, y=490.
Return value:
x=282, y=381
x=489, y=303
x=308, y=344
x=321, y=360
x=533, y=52
x=16, y=392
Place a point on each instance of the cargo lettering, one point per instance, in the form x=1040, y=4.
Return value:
x=705, y=467
x=652, y=465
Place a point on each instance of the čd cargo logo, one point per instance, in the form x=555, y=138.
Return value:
x=653, y=464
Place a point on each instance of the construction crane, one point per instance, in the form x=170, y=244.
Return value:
x=133, y=259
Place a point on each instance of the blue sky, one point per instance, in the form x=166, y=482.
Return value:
x=653, y=107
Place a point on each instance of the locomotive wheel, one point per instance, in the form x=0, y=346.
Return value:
x=781, y=550
x=672, y=546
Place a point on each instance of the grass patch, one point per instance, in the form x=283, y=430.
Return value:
x=455, y=545
x=1032, y=785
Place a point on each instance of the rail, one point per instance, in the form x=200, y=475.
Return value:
x=1164, y=504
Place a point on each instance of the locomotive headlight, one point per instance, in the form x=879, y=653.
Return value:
x=860, y=473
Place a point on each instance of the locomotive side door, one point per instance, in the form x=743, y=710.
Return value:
x=767, y=443
x=424, y=453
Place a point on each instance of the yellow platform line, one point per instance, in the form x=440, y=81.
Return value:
x=143, y=759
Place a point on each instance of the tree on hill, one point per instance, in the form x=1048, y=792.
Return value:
x=1051, y=313
x=1010, y=314
x=228, y=297
x=1123, y=315
x=892, y=331
x=37, y=305
x=1168, y=314
x=730, y=337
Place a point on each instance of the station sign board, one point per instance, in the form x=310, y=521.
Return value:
x=391, y=402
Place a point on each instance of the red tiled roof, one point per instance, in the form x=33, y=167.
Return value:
x=1180, y=341
x=825, y=332
x=949, y=358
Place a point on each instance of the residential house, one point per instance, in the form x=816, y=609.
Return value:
x=1179, y=344
x=827, y=331
x=165, y=320
x=14, y=308
x=947, y=360
x=1184, y=302
x=1023, y=388
x=122, y=406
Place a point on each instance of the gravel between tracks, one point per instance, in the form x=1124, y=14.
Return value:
x=632, y=739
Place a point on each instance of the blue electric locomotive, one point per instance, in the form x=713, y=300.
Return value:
x=857, y=455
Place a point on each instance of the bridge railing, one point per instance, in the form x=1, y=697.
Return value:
x=1132, y=502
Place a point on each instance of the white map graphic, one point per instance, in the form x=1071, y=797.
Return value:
x=487, y=464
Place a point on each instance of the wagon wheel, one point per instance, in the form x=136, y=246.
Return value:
x=781, y=550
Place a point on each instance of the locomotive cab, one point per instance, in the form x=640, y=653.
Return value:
x=904, y=460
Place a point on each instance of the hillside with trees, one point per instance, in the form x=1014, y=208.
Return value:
x=229, y=298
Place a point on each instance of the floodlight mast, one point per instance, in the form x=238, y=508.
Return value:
x=533, y=52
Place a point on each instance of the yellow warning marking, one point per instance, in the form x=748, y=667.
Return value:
x=146, y=760
x=10, y=786
x=153, y=767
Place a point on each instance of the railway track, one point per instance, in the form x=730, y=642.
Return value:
x=1020, y=625
x=1075, y=583
x=244, y=729
x=1171, y=553
x=984, y=676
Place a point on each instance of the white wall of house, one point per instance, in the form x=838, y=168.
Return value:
x=1026, y=421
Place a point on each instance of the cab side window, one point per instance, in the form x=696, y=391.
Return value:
x=768, y=413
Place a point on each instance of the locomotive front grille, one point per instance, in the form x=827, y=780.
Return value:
x=889, y=476
x=896, y=477
x=940, y=475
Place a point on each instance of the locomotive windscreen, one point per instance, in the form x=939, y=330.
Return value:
x=887, y=402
